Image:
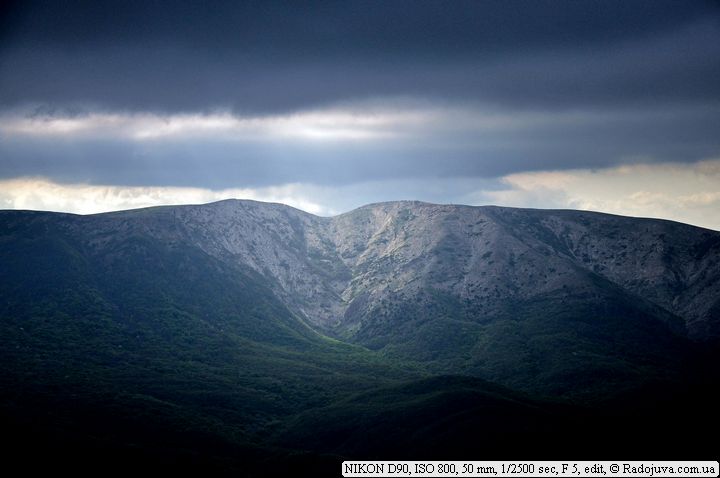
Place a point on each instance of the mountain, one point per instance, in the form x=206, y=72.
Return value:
x=229, y=335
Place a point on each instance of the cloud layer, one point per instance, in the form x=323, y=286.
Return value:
x=359, y=142
x=275, y=57
x=534, y=103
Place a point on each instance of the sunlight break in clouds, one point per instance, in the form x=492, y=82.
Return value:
x=686, y=193
x=391, y=118
x=43, y=195
x=320, y=125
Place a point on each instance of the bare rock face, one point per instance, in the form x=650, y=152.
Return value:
x=337, y=273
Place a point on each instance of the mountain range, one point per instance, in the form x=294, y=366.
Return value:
x=252, y=337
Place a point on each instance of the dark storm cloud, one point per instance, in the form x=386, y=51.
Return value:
x=258, y=57
x=604, y=82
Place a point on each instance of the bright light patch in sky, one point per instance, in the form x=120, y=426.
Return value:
x=318, y=125
x=683, y=192
x=41, y=194
x=687, y=193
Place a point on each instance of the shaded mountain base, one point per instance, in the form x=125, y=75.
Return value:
x=463, y=418
x=573, y=344
x=446, y=417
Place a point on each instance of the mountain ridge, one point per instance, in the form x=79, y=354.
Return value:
x=322, y=236
x=241, y=332
x=448, y=286
x=371, y=205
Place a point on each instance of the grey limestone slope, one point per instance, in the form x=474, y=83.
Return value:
x=329, y=269
x=486, y=254
x=551, y=301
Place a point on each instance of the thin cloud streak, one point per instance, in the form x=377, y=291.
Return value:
x=331, y=125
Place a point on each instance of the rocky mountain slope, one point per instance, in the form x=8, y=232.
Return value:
x=536, y=300
x=326, y=267
x=243, y=334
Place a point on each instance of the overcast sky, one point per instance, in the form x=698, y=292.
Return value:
x=605, y=105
